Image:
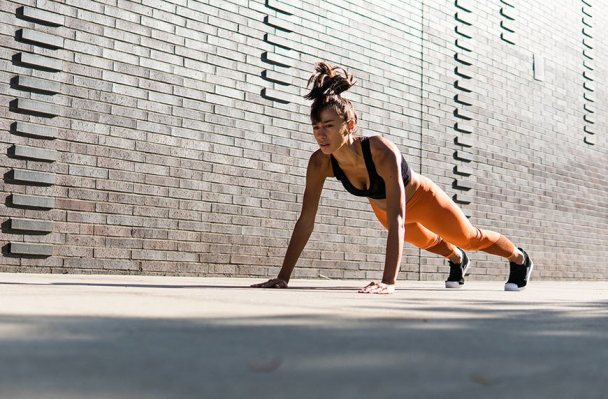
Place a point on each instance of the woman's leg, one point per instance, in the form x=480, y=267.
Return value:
x=435, y=223
x=436, y=211
x=423, y=238
x=419, y=236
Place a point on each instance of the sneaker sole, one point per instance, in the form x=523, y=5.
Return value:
x=456, y=284
x=514, y=287
x=453, y=284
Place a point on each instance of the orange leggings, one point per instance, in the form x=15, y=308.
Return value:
x=433, y=222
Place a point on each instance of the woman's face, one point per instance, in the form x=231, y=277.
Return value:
x=331, y=132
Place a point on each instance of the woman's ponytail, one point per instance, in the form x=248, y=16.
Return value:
x=328, y=83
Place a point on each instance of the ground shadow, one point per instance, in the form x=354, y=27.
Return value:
x=482, y=353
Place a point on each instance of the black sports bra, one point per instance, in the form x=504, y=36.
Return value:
x=377, y=189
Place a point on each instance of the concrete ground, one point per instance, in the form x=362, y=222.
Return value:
x=64, y=336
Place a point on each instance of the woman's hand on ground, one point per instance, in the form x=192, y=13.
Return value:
x=378, y=288
x=272, y=283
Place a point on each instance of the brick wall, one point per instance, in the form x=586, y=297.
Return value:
x=170, y=137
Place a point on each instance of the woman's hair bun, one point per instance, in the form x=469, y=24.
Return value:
x=328, y=80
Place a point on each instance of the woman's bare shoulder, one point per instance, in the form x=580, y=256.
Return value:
x=383, y=148
x=320, y=163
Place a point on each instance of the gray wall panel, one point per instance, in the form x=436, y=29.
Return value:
x=182, y=137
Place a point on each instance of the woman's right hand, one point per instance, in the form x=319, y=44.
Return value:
x=376, y=287
x=272, y=283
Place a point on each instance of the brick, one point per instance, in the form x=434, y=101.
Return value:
x=464, y=17
x=278, y=96
x=77, y=170
x=34, y=130
x=463, y=156
x=31, y=225
x=464, y=59
x=21, y=248
x=279, y=23
x=88, y=14
x=589, y=86
x=462, y=113
x=588, y=64
x=591, y=140
x=33, y=177
x=463, y=85
x=40, y=38
x=508, y=37
x=462, y=198
x=587, y=32
x=464, y=44
x=463, y=169
x=40, y=154
x=40, y=61
x=168, y=16
x=37, y=107
x=111, y=253
x=464, y=140
x=589, y=118
x=587, y=53
x=40, y=16
x=277, y=77
x=279, y=41
x=465, y=5
x=102, y=264
x=507, y=25
x=37, y=84
x=281, y=6
x=74, y=251
x=120, y=56
x=464, y=31
x=464, y=127
x=32, y=201
x=157, y=24
x=464, y=99
x=463, y=183
x=508, y=13
x=76, y=205
x=86, y=217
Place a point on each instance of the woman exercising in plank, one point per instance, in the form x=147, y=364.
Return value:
x=410, y=206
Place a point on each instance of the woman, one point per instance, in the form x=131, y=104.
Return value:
x=410, y=206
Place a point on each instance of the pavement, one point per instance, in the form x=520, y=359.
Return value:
x=79, y=336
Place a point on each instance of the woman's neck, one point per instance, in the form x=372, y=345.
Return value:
x=350, y=153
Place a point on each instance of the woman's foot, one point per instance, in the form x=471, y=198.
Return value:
x=378, y=288
x=520, y=274
x=458, y=271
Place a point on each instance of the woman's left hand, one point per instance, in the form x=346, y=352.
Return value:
x=378, y=288
x=272, y=283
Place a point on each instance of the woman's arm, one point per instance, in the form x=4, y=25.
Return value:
x=388, y=164
x=315, y=178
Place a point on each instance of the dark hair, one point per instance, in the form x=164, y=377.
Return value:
x=328, y=82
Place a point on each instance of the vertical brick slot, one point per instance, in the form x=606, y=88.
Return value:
x=463, y=126
x=44, y=89
x=282, y=58
x=507, y=20
x=588, y=74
